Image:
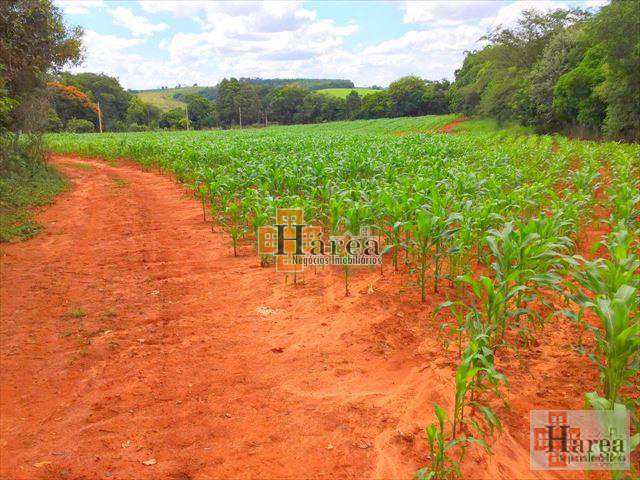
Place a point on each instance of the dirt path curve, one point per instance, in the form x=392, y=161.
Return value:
x=449, y=127
x=130, y=334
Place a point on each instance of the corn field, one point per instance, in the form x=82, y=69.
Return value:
x=497, y=218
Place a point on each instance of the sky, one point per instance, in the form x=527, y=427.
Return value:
x=153, y=43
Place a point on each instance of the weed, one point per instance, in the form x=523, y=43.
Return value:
x=77, y=312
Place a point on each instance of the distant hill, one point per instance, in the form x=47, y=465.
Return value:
x=169, y=98
x=310, y=83
x=343, y=92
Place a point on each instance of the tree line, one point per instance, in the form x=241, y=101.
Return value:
x=568, y=70
x=238, y=103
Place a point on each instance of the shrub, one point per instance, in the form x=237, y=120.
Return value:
x=134, y=127
x=78, y=125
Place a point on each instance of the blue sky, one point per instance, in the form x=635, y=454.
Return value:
x=150, y=43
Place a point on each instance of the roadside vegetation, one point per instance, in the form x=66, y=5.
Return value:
x=34, y=42
x=570, y=71
x=20, y=191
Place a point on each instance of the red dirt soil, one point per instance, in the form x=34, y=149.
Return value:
x=449, y=127
x=207, y=366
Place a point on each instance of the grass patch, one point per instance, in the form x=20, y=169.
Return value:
x=19, y=193
x=119, y=182
x=343, y=92
x=489, y=125
x=164, y=99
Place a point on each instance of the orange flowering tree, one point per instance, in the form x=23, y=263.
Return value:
x=73, y=93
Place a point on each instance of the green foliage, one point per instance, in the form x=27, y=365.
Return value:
x=20, y=190
x=565, y=70
x=609, y=287
x=173, y=119
x=79, y=125
x=407, y=96
x=34, y=41
x=114, y=101
x=284, y=103
x=536, y=99
x=201, y=112
x=615, y=31
x=575, y=93
x=141, y=113
x=353, y=102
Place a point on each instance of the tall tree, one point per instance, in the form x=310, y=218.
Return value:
x=202, y=113
x=616, y=30
x=107, y=92
x=284, y=102
x=407, y=95
x=353, y=103
x=33, y=42
x=225, y=101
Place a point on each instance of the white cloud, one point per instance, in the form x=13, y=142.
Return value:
x=137, y=25
x=596, y=3
x=253, y=38
x=509, y=14
x=106, y=53
x=285, y=39
x=78, y=7
x=110, y=54
x=447, y=12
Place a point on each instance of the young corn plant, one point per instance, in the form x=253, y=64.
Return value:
x=475, y=376
x=355, y=217
x=598, y=403
x=609, y=288
x=429, y=235
x=233, y=223
x=392, y=224
x=525, y=259
x=492, y=302
x=624, y=198
x=443, y=465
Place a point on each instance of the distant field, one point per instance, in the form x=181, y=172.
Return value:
x=163, y=99
x=343, y=92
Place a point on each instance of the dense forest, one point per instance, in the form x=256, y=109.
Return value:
x=565, y=71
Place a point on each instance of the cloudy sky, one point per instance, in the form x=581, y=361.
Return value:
x=149, y=43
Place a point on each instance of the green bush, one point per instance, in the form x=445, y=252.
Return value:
x=78, y=125
x=20, y=190
x=134, y=127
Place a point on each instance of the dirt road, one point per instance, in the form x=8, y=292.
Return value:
x=135, y=346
